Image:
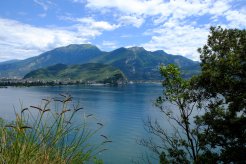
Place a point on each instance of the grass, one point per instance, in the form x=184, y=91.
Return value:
x=42, y=134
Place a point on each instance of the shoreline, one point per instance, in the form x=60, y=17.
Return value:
x=30, y=83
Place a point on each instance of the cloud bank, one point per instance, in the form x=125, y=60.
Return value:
x=179, y=26
x=21, y=40
x=175, y=26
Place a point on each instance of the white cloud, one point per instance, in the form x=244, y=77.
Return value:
x=178, y=40
x=92, y=23
x=162, y=10
x=236, y=18
x=176, y=29
x=179, y=8
x=131, y=20
x=219, y=7
x=101, y=25
x=19, y=41
x=128, y=6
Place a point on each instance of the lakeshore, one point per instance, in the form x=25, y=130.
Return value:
x=5, y=82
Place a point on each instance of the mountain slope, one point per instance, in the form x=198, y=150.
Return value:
x=139, y=64
x=72, y=54
x=86, y=72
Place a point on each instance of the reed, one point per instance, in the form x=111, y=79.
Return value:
x=49, y=134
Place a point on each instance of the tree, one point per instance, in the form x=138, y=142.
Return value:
x=182, y=143
x=218, y=134
x=223, y=81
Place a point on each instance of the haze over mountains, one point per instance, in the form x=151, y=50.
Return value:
x=136, y=63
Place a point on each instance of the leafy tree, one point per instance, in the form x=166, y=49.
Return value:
x=182, y=143
x=223, y=80
x=218, y=133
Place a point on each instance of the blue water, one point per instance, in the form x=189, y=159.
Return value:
x=121, y=109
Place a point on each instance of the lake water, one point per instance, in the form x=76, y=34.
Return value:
x=121, y=109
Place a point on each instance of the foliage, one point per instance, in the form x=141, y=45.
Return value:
x=182, y=143
x=223, y=79
x=93, y=72
x=218, y=133
x=41, y=134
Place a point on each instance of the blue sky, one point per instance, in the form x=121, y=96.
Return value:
x=30, y=27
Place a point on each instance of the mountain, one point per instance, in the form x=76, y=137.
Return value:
x=135, y=62
x=72, y=54
x=95, y=72
x=139, y=64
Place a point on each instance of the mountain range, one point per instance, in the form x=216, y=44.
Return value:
x=136, y=63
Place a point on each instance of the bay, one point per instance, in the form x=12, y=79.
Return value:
x=121, y=109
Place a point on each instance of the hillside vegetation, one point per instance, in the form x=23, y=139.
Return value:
x=91, y=72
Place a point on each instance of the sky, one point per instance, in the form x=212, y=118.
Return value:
x=31, y=27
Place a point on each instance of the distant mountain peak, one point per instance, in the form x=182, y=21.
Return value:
x=160, y=52
x=136, y=49
x=85, y=46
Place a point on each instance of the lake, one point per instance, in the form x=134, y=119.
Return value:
x=122, y=110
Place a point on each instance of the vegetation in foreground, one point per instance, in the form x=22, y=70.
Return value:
x=218, y=93
x=41, y=134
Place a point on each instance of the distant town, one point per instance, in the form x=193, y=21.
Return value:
x=4, y=82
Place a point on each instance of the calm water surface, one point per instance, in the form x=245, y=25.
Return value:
x=121, y=109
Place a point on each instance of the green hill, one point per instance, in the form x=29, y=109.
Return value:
x=91, y=72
